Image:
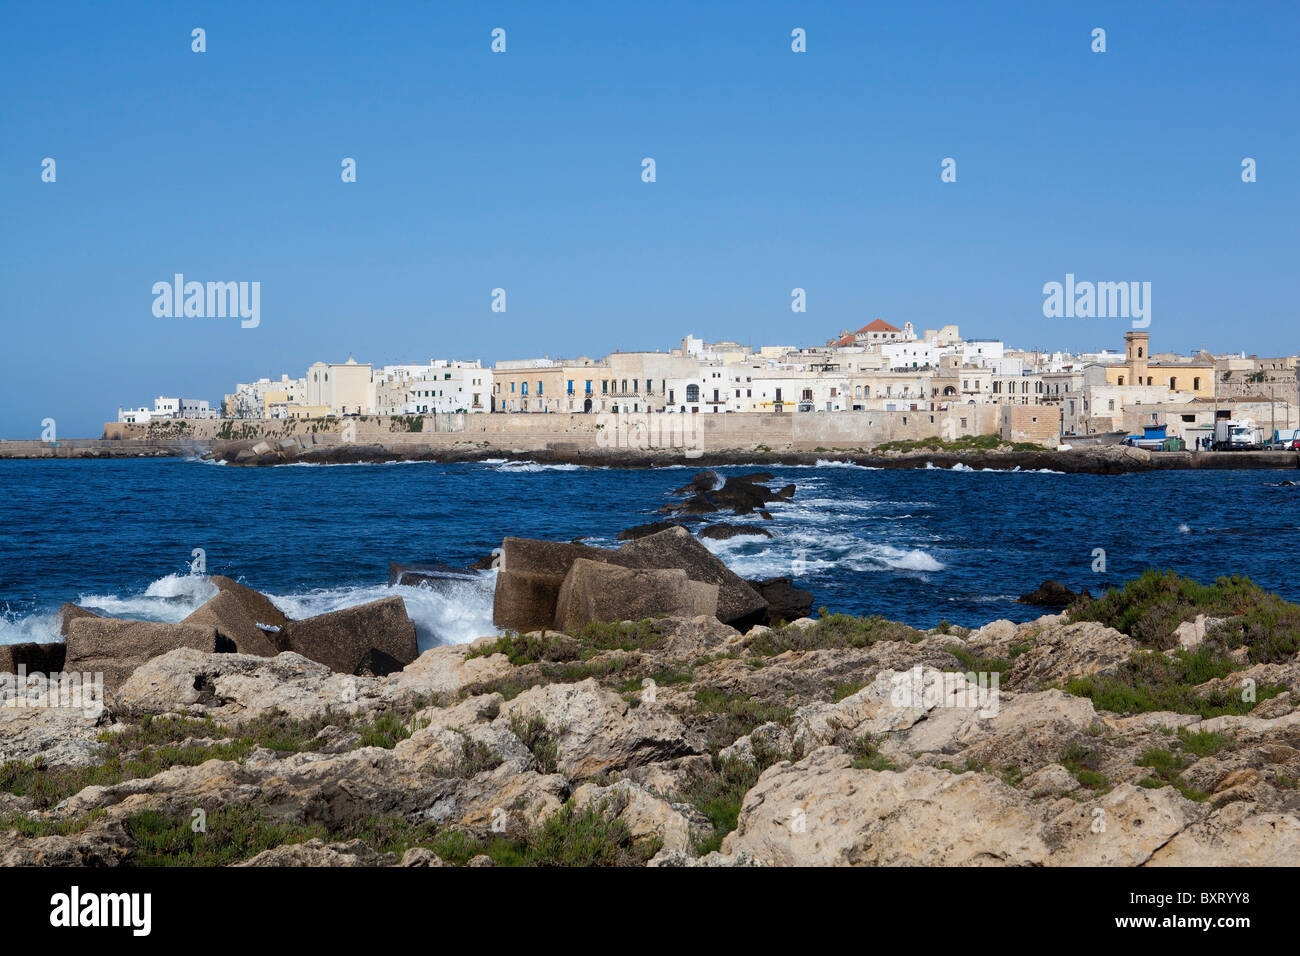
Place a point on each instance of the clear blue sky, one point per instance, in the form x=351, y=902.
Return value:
x=523, y=171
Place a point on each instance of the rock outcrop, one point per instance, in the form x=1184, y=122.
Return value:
x=671, y=741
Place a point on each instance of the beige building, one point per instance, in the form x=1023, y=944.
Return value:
x=344, y=388
x=1192, y=375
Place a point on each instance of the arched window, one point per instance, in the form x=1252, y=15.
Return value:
x=692, y=393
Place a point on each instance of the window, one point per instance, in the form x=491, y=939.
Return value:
x=523, y=388
x=1196, y=384
x=539, y=387
x=570, y=388
x=604, y=386
x=588, y=386
x=692, y=393
x=1173, y=383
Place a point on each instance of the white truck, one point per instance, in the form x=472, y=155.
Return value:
x=1237, y=435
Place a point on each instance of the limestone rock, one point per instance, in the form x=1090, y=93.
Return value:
x=446, y=670
x=316, y=852
x=103, y=843
x=645, y=815
x=236, y=687
x=821, y=812
x=1063, y=653
x=1235, y=835
x=596, y=730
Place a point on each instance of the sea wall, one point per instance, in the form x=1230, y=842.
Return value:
x=799, y=431
x=623, y=440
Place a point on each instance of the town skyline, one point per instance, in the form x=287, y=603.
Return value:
x=970, y=384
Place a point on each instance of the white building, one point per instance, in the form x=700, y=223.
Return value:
x=164, y=408
x=445, y=386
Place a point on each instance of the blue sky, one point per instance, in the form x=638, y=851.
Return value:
x=523, y=171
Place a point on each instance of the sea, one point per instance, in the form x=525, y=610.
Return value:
x=137, y=538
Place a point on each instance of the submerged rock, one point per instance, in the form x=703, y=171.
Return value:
x=1052, y=594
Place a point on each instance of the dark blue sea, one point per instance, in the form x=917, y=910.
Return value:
x=918, y=546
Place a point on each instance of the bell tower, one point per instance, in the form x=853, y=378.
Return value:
x=1137, y=352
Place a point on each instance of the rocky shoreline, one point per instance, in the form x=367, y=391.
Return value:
x=271, y=451
x=1113, y=459
x=645, y=706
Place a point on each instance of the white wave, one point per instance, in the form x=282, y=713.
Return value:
x=913, y=560
x=41, y=628
x=1183, y=528
x=532, y=466
x=452, y=612
x=826, y=463
x=170, y=598
x=802, y=553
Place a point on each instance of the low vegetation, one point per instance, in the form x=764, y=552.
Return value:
x=1151, y=681
x=1166, y=770
x=964, y=443
x=725, y=717
x=830, y=631
x=155, y=744
x=1150, y=608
